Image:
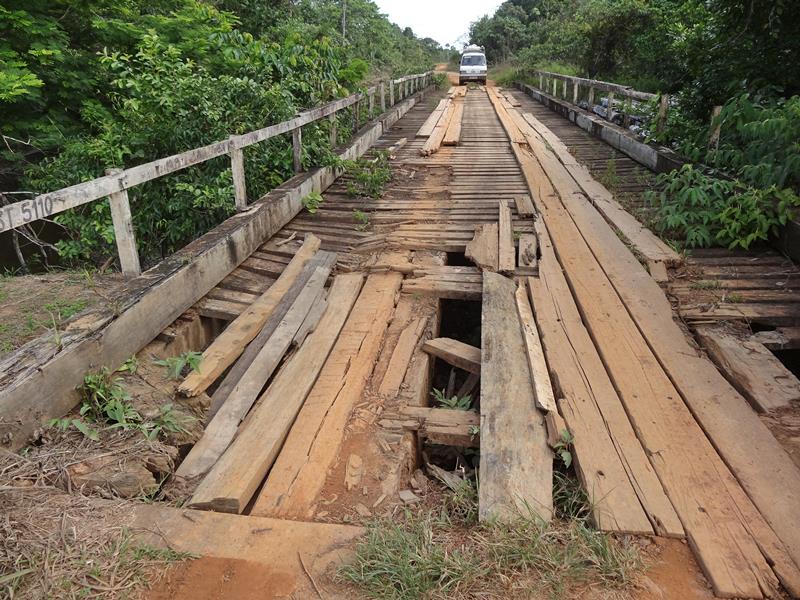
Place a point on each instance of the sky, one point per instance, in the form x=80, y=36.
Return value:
x=443, y=20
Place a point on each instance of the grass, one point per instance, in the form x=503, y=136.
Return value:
x=446, y=553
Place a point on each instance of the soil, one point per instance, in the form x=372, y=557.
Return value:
x=30, y=303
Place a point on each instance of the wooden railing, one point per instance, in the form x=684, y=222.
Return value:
x=116, y=183
x=549, y=84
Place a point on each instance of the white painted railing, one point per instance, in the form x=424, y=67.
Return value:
x=116, y=183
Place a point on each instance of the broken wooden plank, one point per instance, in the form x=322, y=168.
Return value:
x=542, y=390
x=505, y=246
x=516, y=464
x=524, y=205
x=267, y=353
x=444, y=426
x=751, y=369
x=401, y=357
x=220, y=309
x=299, y=472
x=238, y=473
x=483, y=248
x=227, y=347
x=455, y=353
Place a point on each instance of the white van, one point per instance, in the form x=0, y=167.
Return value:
x=473, y=65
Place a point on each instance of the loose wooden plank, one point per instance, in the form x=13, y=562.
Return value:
x=505, y=251
x=299, y=472
x=434, y=142
x=542, y=390
x=455, y=353
x=267, y=354
x=401, y=357
x=454, y=290
x=322, y=260
x=236, y=476
x=483, y=248
x=731, y=555
x=430, y=123
x=524, y=205
x=609, y=459
x=751, y=369
x=453, y=134
x=516, y=463
x=225, y=349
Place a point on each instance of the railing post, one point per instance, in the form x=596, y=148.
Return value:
x=371, y=104
x=591, y=97
x=297, y=149
x=332, y=119
x=663, y=105
x=555, y=87
x=610, y=107
x=575, y=89
x=565, y=89
x=123, y=231
x=383, y=97
x=541, y=82
x=237, y=171
x=356, y=116
x=391, y=92
x=716, y=128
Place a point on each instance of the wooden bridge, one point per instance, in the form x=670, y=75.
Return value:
x=496, y=264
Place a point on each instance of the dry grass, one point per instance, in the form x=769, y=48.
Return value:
x=59, y=545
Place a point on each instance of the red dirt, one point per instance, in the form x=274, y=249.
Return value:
x=673, y=574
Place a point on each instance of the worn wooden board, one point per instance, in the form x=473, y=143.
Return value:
x=516, y=464
x=430, y=123
x=455, y=353
x=524, y=205
x=453, y=134
x=434, y=142
x=299, y=472
x=401, y=357
x=506, y=259
x=483, y=248
x=432, y=285
x=230, y=485
x=752, y=369
x=443, y=425
x=731, y=555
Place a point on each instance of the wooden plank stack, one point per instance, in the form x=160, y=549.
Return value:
x=443, y=126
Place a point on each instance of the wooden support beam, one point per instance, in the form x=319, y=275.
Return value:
x=444, y=426
x=455, y=353
x=123, y=231
x=516, y=464
x=236, y=476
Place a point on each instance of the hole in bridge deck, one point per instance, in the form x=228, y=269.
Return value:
x=790, y=359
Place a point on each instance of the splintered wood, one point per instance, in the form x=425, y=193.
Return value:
x=658, y=378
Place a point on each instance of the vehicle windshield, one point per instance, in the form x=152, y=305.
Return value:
x=473, y=60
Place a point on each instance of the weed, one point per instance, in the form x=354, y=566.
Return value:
x=106, y=401
x=563, y=447
x=64, y=308
x=734, y=298
x=456, y=403
x=130, y=366
x=176, y=364
x=368, y=177
x=609, y=177
x=312, y=202
x=706, y=284
x=361, y=218
x=168, y=420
